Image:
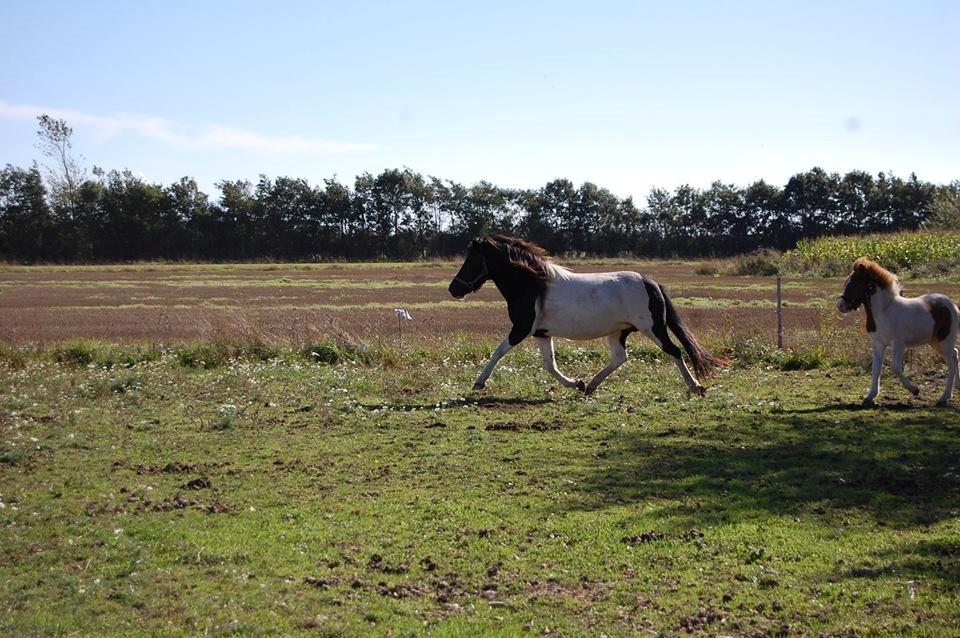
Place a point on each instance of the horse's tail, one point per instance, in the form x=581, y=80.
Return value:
x=703, y=361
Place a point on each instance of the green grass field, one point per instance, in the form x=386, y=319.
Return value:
x=274, y=497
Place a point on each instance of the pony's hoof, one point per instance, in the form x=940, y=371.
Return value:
x=479, y=386
x=942, y=403
x=915, y=392
x=583, y=387
x=700, y=391
x=868, y=403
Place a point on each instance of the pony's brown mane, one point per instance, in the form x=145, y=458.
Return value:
x=522, y=254
x=883, y=277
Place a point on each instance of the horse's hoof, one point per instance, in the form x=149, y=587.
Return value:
x=479, y=386
x=868, y=403
x=915, y=392
x=583, y=387
x=700, y=391
x=942, y=403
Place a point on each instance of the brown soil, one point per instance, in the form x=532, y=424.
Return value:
x=170, y=303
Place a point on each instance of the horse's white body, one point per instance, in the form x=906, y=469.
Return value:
x=591, y=305
x=583, y=306
x=907, y=322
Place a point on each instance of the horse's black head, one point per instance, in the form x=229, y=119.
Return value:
x=472, y=273
x=859, y=286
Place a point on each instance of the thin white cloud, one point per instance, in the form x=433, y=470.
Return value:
x=211, y=138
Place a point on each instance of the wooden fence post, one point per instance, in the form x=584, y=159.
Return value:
x=779, y=315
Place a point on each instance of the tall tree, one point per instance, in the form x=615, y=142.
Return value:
x=64, y=171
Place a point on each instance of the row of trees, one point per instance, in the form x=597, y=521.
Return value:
x=69, y=216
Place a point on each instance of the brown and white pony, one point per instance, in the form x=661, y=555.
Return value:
x=546, y=301
x=901, y=323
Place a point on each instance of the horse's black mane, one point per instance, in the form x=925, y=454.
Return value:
x=523, y=255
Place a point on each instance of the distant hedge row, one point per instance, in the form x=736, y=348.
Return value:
x=401, y=214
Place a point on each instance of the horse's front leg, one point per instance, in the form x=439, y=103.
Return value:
x=549, y=363
x=504, y=347
x=877, y=366
x=618, y=352
x=897, y=353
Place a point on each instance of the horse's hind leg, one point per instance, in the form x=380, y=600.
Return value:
x=617, y=342
x=950, y=356
x=658, y=334
x=546, y=351
x=896, y=364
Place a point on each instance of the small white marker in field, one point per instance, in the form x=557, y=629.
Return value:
x=401, y=315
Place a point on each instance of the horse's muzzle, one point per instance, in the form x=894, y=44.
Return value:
x=842, y=305
x=457, y=290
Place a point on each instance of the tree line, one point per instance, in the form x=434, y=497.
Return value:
x=66, y=215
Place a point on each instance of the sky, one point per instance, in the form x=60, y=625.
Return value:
x=629, y=95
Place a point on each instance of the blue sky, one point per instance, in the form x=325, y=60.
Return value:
x=629, y=95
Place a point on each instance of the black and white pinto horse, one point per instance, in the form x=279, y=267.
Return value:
x=546, y=301
x=900, y=323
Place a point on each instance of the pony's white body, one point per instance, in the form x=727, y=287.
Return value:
x=905, y=319
x=591, y=305
x=899, y=323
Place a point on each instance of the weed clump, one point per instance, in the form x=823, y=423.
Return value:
x=215, y=354
x=80, y=352
x=332, y=351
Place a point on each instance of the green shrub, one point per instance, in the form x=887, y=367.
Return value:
x=708, y=269
x=762, y=263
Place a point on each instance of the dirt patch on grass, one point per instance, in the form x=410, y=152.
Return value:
x=585, y=591
x=511, y=426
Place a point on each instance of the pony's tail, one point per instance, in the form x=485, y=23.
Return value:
x=703, y=362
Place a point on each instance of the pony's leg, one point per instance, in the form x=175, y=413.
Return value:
x=949, y=354
x=501, y=350
x=896, y=364
x=662, y=339
x=956, y=357
x=878, y=350
x=546, y=351
x=618, y=351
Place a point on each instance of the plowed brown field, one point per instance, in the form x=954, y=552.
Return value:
x=169, y=303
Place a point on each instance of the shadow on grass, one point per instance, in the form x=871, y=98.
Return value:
x=937, y=560
x=481, y=402
x=879, y=408
x=900, y=467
